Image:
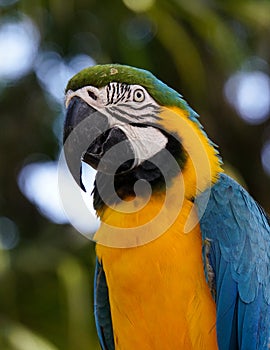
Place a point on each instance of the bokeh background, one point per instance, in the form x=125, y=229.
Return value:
x=216, y=53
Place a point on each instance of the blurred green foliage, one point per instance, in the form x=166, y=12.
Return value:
x=194, y=46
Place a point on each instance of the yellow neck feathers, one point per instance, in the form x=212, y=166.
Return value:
x=203, y=164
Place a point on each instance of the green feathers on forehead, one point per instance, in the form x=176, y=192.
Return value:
x=101, y=75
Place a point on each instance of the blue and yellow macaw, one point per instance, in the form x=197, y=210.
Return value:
x=182, y=250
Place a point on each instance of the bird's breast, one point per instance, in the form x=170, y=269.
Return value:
x=158, y=294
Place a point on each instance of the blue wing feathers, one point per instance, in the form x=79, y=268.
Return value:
x=102, y=309
x=239, y=233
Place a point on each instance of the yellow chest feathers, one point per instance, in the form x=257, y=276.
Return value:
x=158, y=295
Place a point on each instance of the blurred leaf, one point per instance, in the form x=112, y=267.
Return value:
x=185, y=55
x=253, y=13
x=75, y=280
x=14, y=336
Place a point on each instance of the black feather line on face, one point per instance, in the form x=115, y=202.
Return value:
x=122, y=93
x=113, y=92
x=108, y=93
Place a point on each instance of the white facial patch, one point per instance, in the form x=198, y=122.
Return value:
x=123, y=104
x=90, y=94
x=131, y=102
x=145, y=141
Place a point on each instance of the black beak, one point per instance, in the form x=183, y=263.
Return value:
x=83, y=124
x=110, y=153
x=88, y=137
x=77, y=111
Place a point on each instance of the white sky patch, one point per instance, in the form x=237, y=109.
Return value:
x=77, y=204
x=39, y=182
x=265, y=156
x=19, y=41
x=54, y=72
x=9, y=234
x=249, y=93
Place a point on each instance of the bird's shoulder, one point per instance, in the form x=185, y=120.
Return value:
x=233, y=223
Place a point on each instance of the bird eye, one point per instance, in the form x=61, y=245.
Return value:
x=138, y=95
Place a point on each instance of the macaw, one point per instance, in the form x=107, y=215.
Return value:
x=182, y=250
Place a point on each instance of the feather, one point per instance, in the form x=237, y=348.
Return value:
x=102, y=309
x=239, y=234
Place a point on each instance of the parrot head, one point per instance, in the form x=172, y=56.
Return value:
x=129, y=126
